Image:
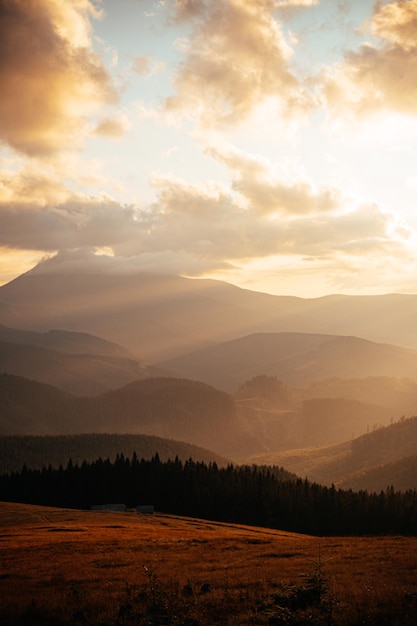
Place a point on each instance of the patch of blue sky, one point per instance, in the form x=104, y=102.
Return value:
x=324, y=32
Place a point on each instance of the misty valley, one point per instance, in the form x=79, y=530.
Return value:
x=249, y=377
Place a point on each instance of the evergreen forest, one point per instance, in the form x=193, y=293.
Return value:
x=255, y=495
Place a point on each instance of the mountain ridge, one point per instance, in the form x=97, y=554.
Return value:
x=163, y=316
x=64, y=341
x=298, y=359
x=78, y=374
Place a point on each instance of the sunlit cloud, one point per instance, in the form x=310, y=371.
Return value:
x=49, y=75
x=380, y=76
x=210, y=225
x=92, y=260
x=235, y=156
x=32, y=182
x=14, y=262
x=266, y=192
x=295, y=3
x=79, y=222
x=113, y=127
x=236, y=58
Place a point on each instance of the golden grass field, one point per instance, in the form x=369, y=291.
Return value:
x=60, y=566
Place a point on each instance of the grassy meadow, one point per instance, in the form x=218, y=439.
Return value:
x=61, y=566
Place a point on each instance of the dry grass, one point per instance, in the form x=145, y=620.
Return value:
x=77, y=567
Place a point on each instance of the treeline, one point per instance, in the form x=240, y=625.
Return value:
x=261, y=496
x=55, y=450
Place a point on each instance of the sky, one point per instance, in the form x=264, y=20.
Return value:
x=271, y=144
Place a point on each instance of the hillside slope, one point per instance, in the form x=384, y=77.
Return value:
x=89, y=565
x=64, y=341
x=385, y=457
x=78, y=374
x=31, y=407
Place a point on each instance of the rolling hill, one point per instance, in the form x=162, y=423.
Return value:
x=264, y=416
x=374, y=461
x=64, y=341
x=161, y=317
x=261, y=429
x=78, y=374
x=88, y=567
x=176, y=409
x=180, y=409
x=298, y=359
x=31, y=407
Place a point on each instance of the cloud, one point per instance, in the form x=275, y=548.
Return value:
x=199, y=228
x=379, y=77
x=396, y=23
x=76, y=223
x=91, y=261
x=50, y=78
x=15, y=262
x=268, y=193
x=144, y=66
x=213, y=223
x=141, y=65
x=295, y=3
x=31, y=185
x=112, y=127
x=236, y=59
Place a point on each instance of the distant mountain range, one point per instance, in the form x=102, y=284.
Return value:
x=245, y=374
x=78, y=363
x=298, y=359
x=64, y=341
x=161, y=317
x=83, y=364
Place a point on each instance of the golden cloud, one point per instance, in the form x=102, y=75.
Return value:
x=295, y=3
x=199, y=227
x=396, y=23
x=236, y=59
x=267, y=194
x=380, y=77
x=112, y=127
x=50, y=78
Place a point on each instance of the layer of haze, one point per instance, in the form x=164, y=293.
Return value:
x=268, y=143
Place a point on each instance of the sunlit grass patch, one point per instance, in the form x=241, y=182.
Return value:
x=125, y=569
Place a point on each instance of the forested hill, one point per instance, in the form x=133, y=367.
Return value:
x=37, y=452
x=29, y=407
x=171, y=408
x=402, y=474
x=385, y=456
x=388, y=443
x=252, y=495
